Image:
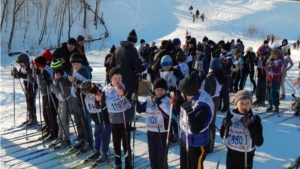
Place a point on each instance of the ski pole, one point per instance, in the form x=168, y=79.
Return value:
x=133, y=137
x=246, y=148
x=187, y=141
x=49, y=95
x=14, y=95
x=41, y=118
x=168, y=133
x=69, y=113
x=222, y=147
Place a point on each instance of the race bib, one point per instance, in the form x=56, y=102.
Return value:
x=198, y=65
x=114, y=102
x=169, y=77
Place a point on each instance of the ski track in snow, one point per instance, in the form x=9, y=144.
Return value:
x=159, y=21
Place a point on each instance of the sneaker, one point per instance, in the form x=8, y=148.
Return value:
x=119, y=166
x=78, y=145
x=102, y=158
x=269, y=108
x=94, y=156
x=62, y=144
x=32, y=122
x=54, y=143
x=85, y=147
x=175, y=139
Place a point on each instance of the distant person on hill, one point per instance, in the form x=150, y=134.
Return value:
x=202, y=17
x=191, y=9
x=298, y=43
x=285, y=43
x=153, y=50
x=197, y=13
x=272, y=38
x=194, y=17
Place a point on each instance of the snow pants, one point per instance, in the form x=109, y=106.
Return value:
x=63, y=118
x=50, y=115
x=224, y=96
x=236, y=159
x=261, y=89
x=196, y=156
x=157, y=146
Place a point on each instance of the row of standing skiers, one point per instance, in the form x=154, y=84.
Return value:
x=112, y=108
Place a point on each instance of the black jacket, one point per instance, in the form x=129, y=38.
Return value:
x=126, y=58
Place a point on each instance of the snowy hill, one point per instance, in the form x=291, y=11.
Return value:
x=155, y=21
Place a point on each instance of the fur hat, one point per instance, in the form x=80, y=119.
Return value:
x=76, y=58
x=215, y=64
x=180, y=57
x=72, y=41
x=80, y=38
x=242, y=94
x=114, y=71
x=47, y=54
x=112, y=49
x=189, y=85
x=226, y=46
x=176, y=41
x=166, y=61
x=132, y=37
x=40, y=61
x=160, y=83
x=169, y=46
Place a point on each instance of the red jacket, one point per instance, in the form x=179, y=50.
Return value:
x=274, y=71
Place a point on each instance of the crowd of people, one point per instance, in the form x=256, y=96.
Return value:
x=189, y=85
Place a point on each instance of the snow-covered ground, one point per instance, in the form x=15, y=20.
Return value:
x=165, y=19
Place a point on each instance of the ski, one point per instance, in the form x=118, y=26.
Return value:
x=18, y=137
x=19, y=128
x=272, y=114
x=22, y=143
x=67, y=159
x=294, y=165
x=290, y=117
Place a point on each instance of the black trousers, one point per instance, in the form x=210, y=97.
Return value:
x=240, y=80
x=31, y=108
x=261, y=89
x=251, y=76
x=196, y=156
x=224, y=95
x=120, y=134
x=157, y=146
x=236, y=159
x=50, y=115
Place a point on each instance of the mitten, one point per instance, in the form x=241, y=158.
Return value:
x=37, y=71
x=187, y=106
x=46, y=77
x=227, y=120
x=246, y=120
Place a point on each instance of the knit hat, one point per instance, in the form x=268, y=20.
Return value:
x=76, y=58
x=215, y=64
x=241, y=95
x=72, y=41
x=176, y=41
x=276, y=52
x=262, y=49
x=113, y=71
x=285, y=48
x=22, y=58
x=205, y=39
x=112, y=49
x=132, y=36
x=199, y=47
x=189, y=85
x=166, y=61
x=160, y=83
x=169, y=46
x=57, y=66
x=85, y=87
x=47, y=54
x=221, y=42
x=142, y=41
x=80, y=38
x=193, y=41
x=180, y=57
x=226, y=47
x=249, y=49
x=284, y=40
x=238, y=40
x=40, y=61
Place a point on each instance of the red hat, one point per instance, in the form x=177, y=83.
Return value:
x=40, y=61
x=47, y=54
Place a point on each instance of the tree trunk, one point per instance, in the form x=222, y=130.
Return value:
x=44, y=26
x=84, y=14
x=70, y=20
x=61, y=23
x=5, y=2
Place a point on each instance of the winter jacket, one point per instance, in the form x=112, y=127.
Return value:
x=200, y=63
x=107, y=62
x=226, y=61
x=213, y=82
x=157, y=113
x=126, y=58
x=196, y=123
x=260, y=62
x=81, y=75
x=273, y=69
x=287, y=60
x=28, y=82
x=235, y=135
x=42, y=84
x=250, y=58
x=207, y=52
x=61, y=88
x=114, y=104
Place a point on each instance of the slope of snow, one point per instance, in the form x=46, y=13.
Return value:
x=167, y=20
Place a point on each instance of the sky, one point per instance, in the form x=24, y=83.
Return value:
x=155, y=21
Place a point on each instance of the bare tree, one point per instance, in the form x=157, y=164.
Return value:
x=84, y=13
x=16, y=8
x=44, y=27
x=96, y=12
x=71, y=19
x=5, y=2
x=61, y=24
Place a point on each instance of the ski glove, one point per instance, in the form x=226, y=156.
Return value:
x=172, y=89
x=227, y=120
x=46, y=77
x=246, y=120
x=187, y=106
x=37, y=71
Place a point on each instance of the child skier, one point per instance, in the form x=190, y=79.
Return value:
x=195, y=116
x=102, y=130
x=157, y=108
x=60, y=86
x=30, y=88
x=77, y=75
x=116, y=97
x=182, y=67
x=242, y=130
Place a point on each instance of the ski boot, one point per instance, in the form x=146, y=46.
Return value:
x=269, y=108
x=94, y=156
x=85, y=147
x=77, y=146
x=57, y=141
x=62, y=144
